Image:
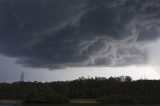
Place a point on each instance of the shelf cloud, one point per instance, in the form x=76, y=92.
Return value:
x=77, y=33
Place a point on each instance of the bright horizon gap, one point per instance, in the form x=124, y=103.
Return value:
x=136, y=72
x=45, y=75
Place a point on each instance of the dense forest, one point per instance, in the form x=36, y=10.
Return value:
x=105, y=90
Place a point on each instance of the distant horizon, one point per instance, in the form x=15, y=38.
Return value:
x=84, y=78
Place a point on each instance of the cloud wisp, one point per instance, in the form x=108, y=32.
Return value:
x=68, y=33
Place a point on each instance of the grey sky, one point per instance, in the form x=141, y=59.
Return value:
x=10, y=72
x=61, y=34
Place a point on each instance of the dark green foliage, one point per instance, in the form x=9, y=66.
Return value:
x=32, y=92
x=112, y=90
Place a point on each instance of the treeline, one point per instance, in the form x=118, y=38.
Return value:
x=105, y=90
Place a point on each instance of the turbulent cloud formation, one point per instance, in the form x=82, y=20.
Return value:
x=70, y=33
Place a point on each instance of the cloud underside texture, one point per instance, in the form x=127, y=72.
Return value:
x=76, y=33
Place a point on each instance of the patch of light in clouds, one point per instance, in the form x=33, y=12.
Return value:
x=154, y=53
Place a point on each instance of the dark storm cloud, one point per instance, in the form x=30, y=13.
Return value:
x=69, y=33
